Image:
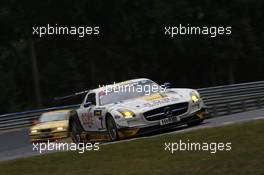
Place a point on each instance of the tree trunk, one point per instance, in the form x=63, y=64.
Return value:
x=35, y=72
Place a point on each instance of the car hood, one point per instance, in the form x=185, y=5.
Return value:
x=153, y=101
x=49, y=125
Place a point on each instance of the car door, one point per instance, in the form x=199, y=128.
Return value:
x=86, y=113
x=91, y=114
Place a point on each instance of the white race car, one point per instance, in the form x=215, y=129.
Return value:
x=132, y=108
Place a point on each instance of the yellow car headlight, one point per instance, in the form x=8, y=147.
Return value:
x=34, y=131
x=195, y=97
x=127, y=113
x=60, y=128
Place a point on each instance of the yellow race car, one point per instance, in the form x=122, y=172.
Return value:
x=51, y=126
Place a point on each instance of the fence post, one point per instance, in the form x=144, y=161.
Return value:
x=244, y=105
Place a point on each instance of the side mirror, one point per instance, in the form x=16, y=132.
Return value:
x=166, y=85
x=87, y=104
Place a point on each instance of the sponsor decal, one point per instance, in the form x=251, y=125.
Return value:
x=160, y=101
x=87, y=119
x=151, y=97
x=97, y=112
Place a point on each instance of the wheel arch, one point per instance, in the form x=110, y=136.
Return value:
x=107, y=115
x=74, y=118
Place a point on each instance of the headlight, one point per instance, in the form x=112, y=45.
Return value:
x=126, y=113
x=195, y=97
x=60, y=128
x=34, y=131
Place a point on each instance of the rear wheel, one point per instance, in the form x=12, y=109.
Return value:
x=75, y=132
x=111, y=128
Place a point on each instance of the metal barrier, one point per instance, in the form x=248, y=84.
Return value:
x=224, y=100
x=221, y=100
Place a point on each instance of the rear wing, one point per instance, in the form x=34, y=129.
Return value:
x=71, y=95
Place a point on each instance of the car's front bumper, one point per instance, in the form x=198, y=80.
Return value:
x=126, y=132
x=52, y=136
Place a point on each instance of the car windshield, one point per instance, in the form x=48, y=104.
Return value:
x=121, y=92
x=53, y=117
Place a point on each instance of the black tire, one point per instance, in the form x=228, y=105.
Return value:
x=195, y=123
x=75, y=132
x=111, y=128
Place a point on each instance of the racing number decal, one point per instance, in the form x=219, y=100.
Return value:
x=98, y=113
x=93, y=119
x=87, y=119
x=102, y=126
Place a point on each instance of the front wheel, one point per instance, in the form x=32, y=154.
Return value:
x=75, y=132
x=111, y=128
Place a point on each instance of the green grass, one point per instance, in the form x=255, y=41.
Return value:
x=147, y=156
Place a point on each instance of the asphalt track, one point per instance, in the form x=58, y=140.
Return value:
x=15, y=144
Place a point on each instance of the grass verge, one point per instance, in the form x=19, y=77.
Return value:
x=147, y=156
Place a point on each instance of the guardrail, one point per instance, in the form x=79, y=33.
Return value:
x=221, y=100
x=224, y=100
